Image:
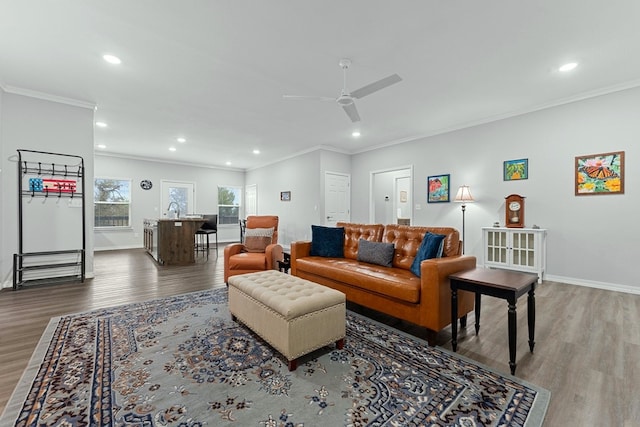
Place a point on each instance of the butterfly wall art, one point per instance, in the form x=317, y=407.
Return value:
x=600, y=174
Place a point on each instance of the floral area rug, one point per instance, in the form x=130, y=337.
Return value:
x=182, y=361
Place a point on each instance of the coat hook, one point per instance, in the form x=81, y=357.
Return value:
x=39, y=168
x=53, y=169
x=65, y=171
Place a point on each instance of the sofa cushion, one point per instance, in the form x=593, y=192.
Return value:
x=395, y=283
x=327, y=241
x=353, y=232
x=430, y=248
x=257, y=239
x=407, y=240
x=375, y=252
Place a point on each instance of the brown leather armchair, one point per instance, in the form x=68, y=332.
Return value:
x=237, y=260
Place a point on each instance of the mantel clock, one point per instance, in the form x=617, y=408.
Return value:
x=514, y=211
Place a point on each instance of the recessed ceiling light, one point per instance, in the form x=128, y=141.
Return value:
x=172, y=148
x=256, y=151
x=102, y=146
x=228, y=163
x=568, y=67
x=111, y=59
x=355, y=134
x=182, y=140
x=101, y=124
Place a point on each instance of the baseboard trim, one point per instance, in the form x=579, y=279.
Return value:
x=615, y=287
x=9, y=284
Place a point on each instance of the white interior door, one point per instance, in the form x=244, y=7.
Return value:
x=337, y=198
x=180, y=192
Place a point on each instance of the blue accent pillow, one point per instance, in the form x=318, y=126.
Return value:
x=430, y=247
x=379, y=253
x=327, y=241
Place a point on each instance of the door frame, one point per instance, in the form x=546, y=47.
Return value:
x=165, y=183
x=372, y=176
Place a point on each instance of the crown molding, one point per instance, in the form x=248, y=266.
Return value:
x=169, y=162
x=49, y=97
x=531, y=109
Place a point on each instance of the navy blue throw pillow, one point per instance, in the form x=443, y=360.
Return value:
x=327, y=241
x=429, y=248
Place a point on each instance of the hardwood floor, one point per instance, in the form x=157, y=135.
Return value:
x=587, y=340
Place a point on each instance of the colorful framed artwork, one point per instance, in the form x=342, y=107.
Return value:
x=285, y=196
x=438, y=188
x=599, y=174
x=515, y=170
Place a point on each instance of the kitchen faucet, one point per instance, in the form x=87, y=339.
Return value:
x=177, y=208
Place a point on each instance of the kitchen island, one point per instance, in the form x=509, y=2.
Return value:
x=175, y=240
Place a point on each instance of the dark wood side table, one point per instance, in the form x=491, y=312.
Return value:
x=508, y=285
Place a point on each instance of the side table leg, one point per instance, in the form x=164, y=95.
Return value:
x=531, y=311
x=512, y=335
x=478, y=295
x=454, y=318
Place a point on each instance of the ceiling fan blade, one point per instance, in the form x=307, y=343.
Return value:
x=303, y=97
x=352, y=112
x=376, y=86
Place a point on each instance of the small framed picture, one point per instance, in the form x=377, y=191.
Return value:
x=285, y=196
x=515, y=170
x=438, y=188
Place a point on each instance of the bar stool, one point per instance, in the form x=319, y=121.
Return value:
x=209, y=227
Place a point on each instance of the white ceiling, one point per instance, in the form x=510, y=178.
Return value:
x=215, y=71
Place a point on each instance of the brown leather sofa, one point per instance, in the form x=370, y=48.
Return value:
x=396, y=291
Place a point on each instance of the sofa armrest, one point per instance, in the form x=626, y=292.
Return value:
x=299, y=249
x=435, y=292
x=273, y=254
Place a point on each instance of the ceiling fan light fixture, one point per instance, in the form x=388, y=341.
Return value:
x=345, y=100
x=355, y=134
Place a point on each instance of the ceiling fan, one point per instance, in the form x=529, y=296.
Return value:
x=346, y=99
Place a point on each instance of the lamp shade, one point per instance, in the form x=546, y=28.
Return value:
x=463, y=195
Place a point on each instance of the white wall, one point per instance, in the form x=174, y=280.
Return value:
x=592, y=240
x=146, y=203
x=304, y=177
x=36, y=124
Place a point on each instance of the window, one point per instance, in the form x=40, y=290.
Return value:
x=229, y=205
x=112, y=201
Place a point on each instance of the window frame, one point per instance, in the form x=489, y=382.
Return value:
x=237, y=190
x=97, y=203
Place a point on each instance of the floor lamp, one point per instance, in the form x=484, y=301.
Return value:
x=463, y=196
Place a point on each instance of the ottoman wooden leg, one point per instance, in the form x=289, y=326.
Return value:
x=293, y=365
x=340, y=344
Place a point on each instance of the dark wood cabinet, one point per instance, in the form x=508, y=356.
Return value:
x=176, y=240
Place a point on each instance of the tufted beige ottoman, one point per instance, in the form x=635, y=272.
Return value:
x=294, y=315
